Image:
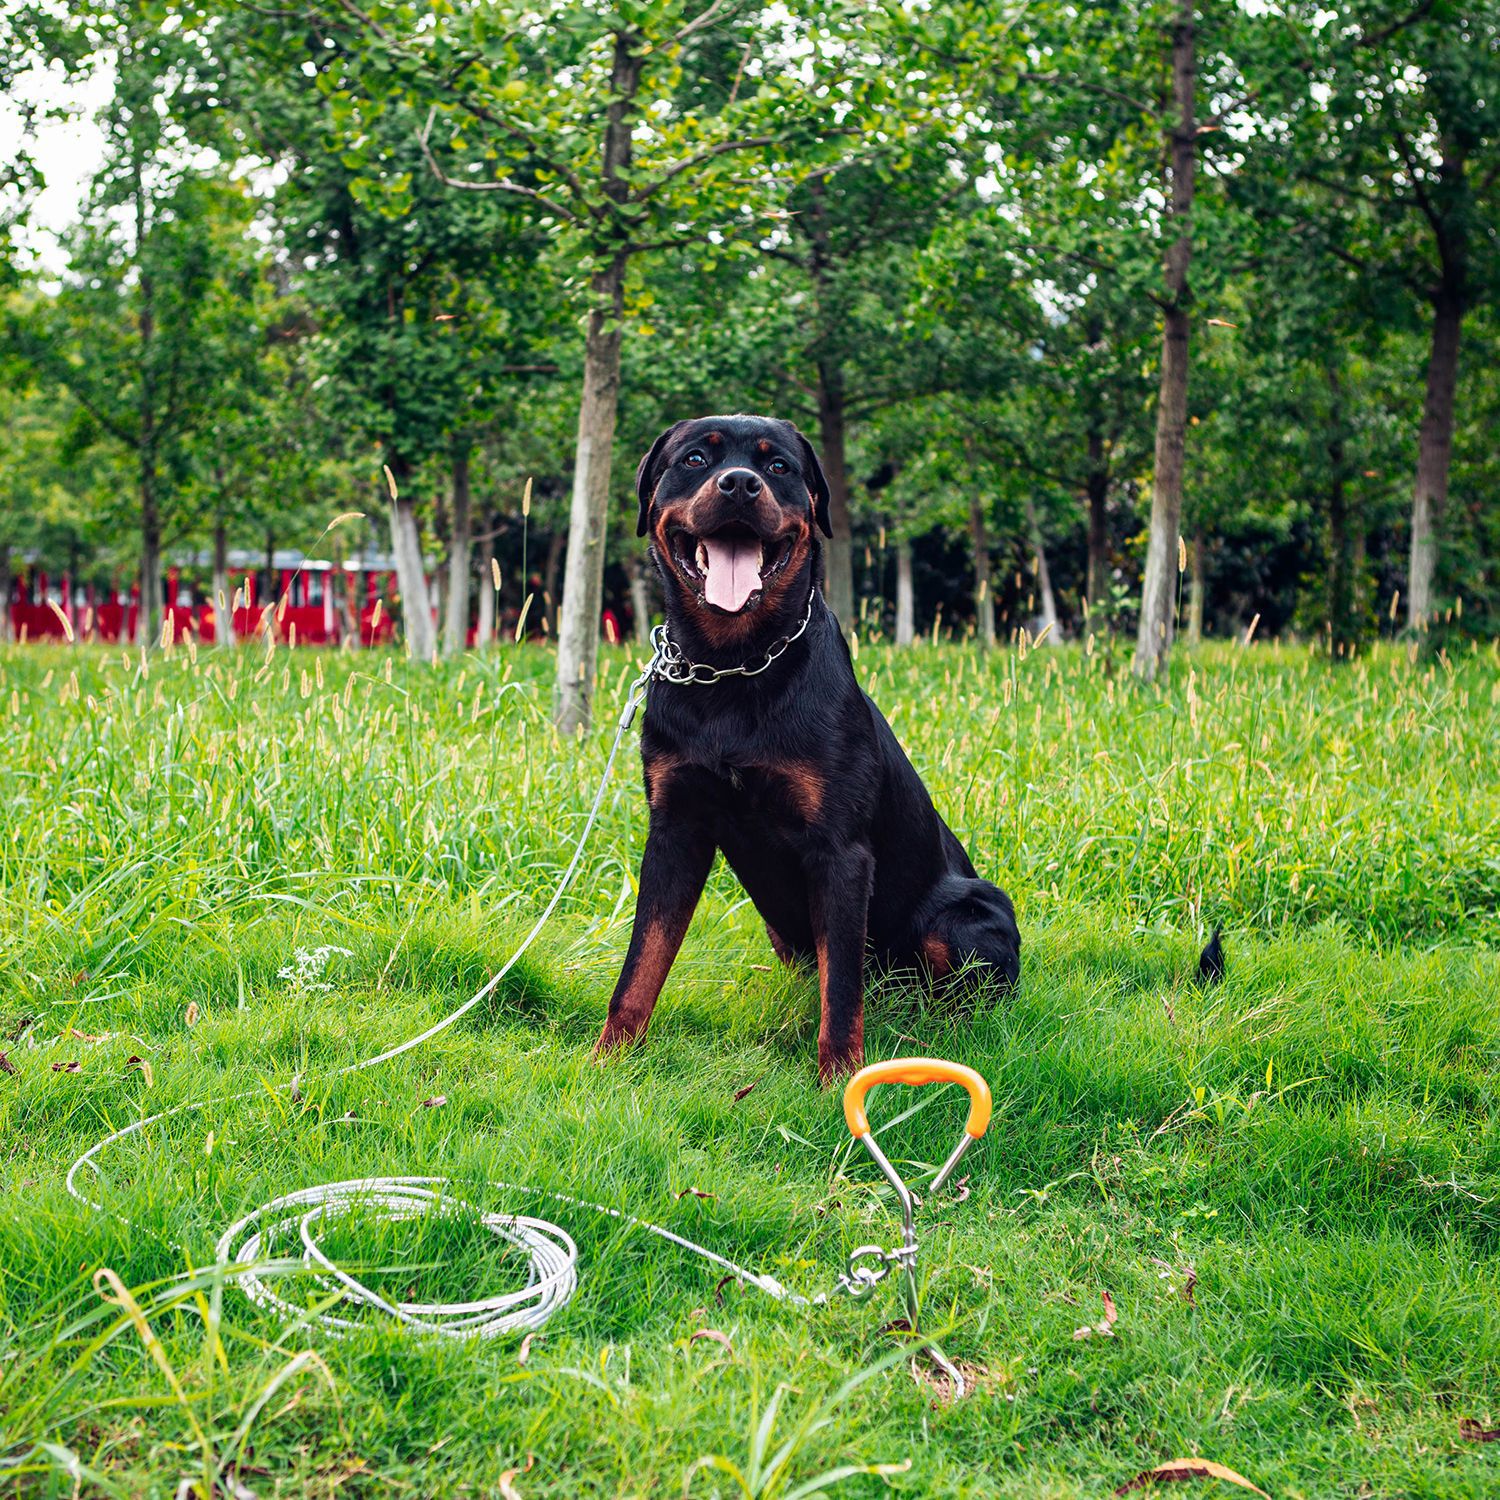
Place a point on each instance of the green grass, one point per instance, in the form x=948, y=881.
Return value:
x=1315, y=1144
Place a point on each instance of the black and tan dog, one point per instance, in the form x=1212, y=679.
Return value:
x=791, y=771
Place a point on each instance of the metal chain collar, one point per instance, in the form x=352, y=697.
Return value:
x=670, y=665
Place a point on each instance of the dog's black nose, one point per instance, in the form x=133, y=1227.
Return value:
x=739, y=484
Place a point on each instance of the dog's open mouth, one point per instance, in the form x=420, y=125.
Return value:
x=729, y=568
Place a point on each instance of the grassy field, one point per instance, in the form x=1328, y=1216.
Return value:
x=1289, y=1187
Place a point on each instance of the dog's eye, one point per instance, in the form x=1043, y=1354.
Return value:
x=695, y=460
x=779, y=466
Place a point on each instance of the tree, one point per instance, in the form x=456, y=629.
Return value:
x=1124, y=90
x=423, y=301
x=624, y=131
x=163, y=250
x=1400, y=132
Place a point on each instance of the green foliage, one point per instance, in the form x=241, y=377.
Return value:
x=931, y=236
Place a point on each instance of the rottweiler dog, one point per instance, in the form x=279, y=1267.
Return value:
x=784, y=763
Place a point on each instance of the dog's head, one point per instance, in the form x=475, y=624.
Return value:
x=731, y=504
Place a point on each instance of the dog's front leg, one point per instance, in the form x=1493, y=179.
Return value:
x=839, y=883
x=673, y=870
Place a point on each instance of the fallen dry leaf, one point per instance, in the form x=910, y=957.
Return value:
x=145, y=1067
x=1471, y=1432
x=696, y=1193
x=1107, y=1327
x=719, y=1289
x=508, y=1490
x=190, y=1015
x=716, y=1336
x=525, y=1350
x=1188, y=1288
x=65, y=1067
x=436, y=1102
x=928, y=1376
x=6, y=1065
x=1176, y=1469
x=740, y=1093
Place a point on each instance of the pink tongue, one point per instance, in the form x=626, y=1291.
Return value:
x=733, y=572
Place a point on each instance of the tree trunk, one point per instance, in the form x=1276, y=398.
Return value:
x=343, y=583
x=222, y=602
x=1049, y=625
x=906, y=612
x=1098, y=494
x=545, y=608
x=416, y=610
x=583, y=582
x=456, y=622
x=5, y=593
x=588, y=517
x=640, y=598
x=148, y=620
x=1197, y=591
x=839, y=550
x=1155, y=636
x=484, y=630
x=984, y=602
x=1341, y=614
x=1434, y=450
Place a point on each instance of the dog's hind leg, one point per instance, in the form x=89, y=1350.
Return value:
x=789, y=953
x=972, y=935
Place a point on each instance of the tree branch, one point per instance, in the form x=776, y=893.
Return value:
x=493, y=185
x=1129, y=100
x=687, y=163
x=463, y=101
x=1375, y=38
x=702, y=19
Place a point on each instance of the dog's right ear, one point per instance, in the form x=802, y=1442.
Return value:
x=647, y=475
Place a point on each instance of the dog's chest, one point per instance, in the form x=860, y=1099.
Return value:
x=785, y=796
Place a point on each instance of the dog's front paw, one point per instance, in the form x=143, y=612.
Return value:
x=835, y=1063
x=612, y=1039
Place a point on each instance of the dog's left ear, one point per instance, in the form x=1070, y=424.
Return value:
x=817, y=485
x=647, y=475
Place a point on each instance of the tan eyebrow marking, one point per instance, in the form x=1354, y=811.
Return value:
x=715, y=437
x=763, y=446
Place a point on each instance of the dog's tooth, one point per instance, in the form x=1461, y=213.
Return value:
x=760, y=557
x=702, y=558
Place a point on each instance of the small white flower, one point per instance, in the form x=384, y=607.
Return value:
x=305, y=974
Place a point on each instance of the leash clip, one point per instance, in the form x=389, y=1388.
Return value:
x=859, y=1279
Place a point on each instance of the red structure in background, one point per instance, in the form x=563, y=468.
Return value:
x=307, y=609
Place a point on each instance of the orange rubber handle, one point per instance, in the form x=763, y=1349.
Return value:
x=917, y=1070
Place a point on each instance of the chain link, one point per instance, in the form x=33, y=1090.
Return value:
x=670, y=665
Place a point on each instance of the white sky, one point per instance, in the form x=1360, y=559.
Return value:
x=69, y=150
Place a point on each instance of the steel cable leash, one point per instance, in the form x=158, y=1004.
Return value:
x=550, y=1253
